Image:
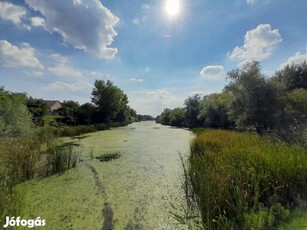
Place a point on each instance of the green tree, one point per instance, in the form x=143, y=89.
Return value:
x=192, y=108
x=255, y=102
x=213, y=111
x=68, y=112
x=38, y=108
x=165, y=117
x=15, y=119
x=86, y=114
x=177, y=117
x=109, y=100
x=293, y=77
x=124, y=114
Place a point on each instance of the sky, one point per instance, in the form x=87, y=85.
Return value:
x=157, y=55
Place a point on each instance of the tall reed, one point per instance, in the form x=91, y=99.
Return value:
x=243, y=181
x=23, y=158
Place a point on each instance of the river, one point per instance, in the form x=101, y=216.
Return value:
x=144, y=185
x=139, y=190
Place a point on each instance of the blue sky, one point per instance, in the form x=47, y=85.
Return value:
x=56, y=49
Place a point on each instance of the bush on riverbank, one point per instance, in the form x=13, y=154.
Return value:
x=72, y=131
x=241, y=180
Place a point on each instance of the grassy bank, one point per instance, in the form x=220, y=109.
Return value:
x=71, y=131
x=41, y=154
x=243, y=181
x=22, y=158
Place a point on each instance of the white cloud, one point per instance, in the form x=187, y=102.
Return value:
x=136, y=21
x=37, y=22
x=65, y=71
x=59, y=58
x=258, y=45
x=13, y=13
x=63, y=86
x=35, y=74
x=213, y=72
x=160, y=93
x=96, y=74
x=84, y=24
x=153, y=101
x=62, y=69
x=251, y=1
x=298, y=58
x=144, y=18
x=136, y=79
x=13, y=56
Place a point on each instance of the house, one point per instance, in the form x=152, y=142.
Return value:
x=53, y=105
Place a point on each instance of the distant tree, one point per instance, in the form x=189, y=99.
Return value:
x=38, y=109
x=192, y=108
x=291, y=87
x=177, y=117
x=133, y=112
x=123, y=114
x=293, y=77
x=255, y=102
x=15, y=119
x=68, y=112
x=213, y=111
x=145, y=117
x=165, y=117
x=292, y=122
x=108, y=99
x=86, y=114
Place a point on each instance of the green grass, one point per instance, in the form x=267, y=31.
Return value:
x=297, y=223
x=243, y=181
x=72, y=131
x=198, y=131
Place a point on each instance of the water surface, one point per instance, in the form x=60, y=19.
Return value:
x=145, y=184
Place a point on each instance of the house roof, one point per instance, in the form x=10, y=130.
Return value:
x=50, y=102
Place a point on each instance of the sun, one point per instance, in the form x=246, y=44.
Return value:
x=172, y=7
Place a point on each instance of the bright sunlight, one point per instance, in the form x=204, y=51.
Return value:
x=172, y=7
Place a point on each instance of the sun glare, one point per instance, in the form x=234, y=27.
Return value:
x=172, y=7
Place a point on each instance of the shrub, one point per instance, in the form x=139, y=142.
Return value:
x=101, y=126
x=72, y=131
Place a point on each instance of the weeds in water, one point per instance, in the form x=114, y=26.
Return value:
x=62, y=157
x=23, y=158
x=91, y=154
x=243, y=181
x=187, y=214
x=17, y=163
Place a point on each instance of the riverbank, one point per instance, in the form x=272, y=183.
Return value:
x=72, y=131
x=244, y=181
x=138, y=190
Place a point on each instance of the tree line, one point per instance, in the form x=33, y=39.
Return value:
x=109, y=104
x=275, y=105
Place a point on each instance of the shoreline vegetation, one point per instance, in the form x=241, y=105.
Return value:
x=239, y=180
x=248, y=162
